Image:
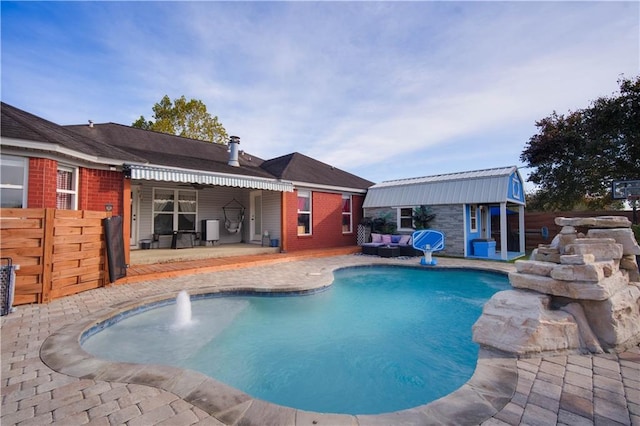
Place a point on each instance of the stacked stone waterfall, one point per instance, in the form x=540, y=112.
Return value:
x=579, y=294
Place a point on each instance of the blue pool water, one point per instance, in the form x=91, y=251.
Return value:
x=380, y=339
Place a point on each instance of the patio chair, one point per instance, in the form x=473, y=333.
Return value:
x=233, y=216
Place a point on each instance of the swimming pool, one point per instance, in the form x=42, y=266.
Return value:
x=380, y=339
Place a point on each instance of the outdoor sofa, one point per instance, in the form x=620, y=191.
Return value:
x=403, y=242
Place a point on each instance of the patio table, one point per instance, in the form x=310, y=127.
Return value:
x=389, y=251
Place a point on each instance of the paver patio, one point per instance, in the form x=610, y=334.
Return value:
x=568, y=389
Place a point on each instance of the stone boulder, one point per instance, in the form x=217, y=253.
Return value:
x=535, y=267
x=612, y=222
x=588, y=339
x=616, y=321
x=522, y=322
x=601, y=248
x=577, y=293
x=575, y=221
x=546, y=254
x=592, y=272
x=594, y=222
x=577, y=259
x=578, y=290
x=630, y=264
x=623, y=236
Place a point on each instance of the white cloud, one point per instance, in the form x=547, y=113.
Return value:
x=354, y=84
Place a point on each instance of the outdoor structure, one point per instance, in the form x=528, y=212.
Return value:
x=167, y=188
x=470, y=208
x=628, y=190
x=579, y=294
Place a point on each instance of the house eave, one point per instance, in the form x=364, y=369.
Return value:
x=173, y=174
x=328, y=188
x=53, y=148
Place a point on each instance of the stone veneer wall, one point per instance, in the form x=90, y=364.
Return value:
x=448, y=220
x=581, y=293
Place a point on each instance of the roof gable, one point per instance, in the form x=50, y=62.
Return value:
x=300, y=168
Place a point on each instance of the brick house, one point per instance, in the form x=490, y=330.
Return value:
x=162, y=183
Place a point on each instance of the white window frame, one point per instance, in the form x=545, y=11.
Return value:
x=399, y=218
x=74, y=182
x=176, y=208
x=515, y=188
x=306, y=194
x=347, y=214
x=15, y=161
x=473, y=218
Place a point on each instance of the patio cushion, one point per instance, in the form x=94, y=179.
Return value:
x=405, y=240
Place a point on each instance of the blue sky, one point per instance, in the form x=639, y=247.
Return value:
x=385, y=90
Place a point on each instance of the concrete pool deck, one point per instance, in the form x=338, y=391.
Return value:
x=568, y=389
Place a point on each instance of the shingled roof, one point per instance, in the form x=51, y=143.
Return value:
x=163, y=149
x=155, y=151
x=21, y=125
x=299, y=168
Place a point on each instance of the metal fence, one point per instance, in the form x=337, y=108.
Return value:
x=7, y=283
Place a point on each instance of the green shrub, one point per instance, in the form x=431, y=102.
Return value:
x=636, y=232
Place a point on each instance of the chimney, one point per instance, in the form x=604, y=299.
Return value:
x=234, y=141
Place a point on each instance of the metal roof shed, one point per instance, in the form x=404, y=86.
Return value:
x=475, y=190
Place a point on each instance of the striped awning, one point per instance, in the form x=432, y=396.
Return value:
x=187, y=176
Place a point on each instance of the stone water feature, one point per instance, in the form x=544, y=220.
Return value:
x=579, y=294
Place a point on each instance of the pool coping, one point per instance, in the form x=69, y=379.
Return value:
x=490, y=388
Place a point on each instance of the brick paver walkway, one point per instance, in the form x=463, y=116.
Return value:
x=575, y=390
x=571, y=390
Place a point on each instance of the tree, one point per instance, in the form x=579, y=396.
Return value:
x=576, y=156
x=189, y=119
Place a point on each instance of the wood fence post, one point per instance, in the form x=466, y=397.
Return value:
x=47, y=254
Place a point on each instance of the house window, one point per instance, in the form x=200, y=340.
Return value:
x=405, y=218
x=13, y=178
x=347, y=226
x=304, y=212
x=473, y=218
x=174, y=209
x=66, y=188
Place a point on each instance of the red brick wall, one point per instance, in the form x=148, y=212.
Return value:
x=326, y=215
x=42, y=183
x=95, y=187
x=98, y=188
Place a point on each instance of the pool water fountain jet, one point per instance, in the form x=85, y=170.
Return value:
x=183, y=310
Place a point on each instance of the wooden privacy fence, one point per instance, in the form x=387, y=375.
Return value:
x=60, y=252
x=535, y=221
